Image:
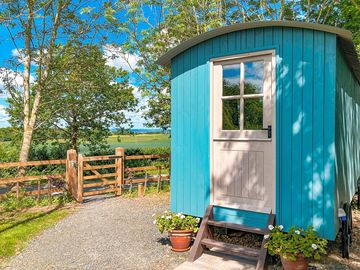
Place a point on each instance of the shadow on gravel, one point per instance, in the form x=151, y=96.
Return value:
x=97, y=198
x=164, y=241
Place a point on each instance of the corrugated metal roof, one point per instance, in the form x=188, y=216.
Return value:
x=344, y=36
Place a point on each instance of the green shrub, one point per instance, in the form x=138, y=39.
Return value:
x=11, y=203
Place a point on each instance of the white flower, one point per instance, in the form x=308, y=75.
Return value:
x=314, y=246
x=154, y=221
x=266, y=236
x=162, y=216
x=165, y=211
x=281, y=227
x=271, y=227
x=153, y=215
x=182, y=217
x=197, y=220
x=168, y=217
x=297, y=232
x=178, y=214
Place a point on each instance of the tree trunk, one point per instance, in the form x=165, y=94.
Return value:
x=74, y=138
x=30, y=114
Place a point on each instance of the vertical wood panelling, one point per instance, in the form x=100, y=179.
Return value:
x=329, y=136
x=259, y=37
x=206, y=131
x=307, y=128
x=231, y=41
x=277, y=39
x=304, y=100
x=194, y=116
x=318, y=133
x=250, y=38
x=296, y=125
x=174, y=132
x=201, y=103
x=181, y=120
x=187, y=135
x=347, y=127
x=286, y=76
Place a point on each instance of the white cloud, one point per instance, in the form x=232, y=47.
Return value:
x=20, y=56
x=116, y=58
x=4, y=117
x=13, y=78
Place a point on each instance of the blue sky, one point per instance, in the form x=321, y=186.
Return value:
x=7, y=51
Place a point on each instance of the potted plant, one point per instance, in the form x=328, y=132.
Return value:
x=295, y=247
x=180, y=228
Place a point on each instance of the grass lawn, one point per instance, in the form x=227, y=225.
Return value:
x=139, y=141
x=17, y=228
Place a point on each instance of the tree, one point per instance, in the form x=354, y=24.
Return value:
x=39, y=26
x=85, y=97
x=153, y=27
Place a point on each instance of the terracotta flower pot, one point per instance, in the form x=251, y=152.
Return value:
x=180, y=240
x=300, y=263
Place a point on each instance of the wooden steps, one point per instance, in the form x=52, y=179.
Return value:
x=231, y=249
x=236, y=227
x=205, y=239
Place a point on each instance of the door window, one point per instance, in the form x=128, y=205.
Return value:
x=244, y=98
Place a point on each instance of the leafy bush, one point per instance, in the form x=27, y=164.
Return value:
x=297, y=241
x=169, y=221
x=11, y=203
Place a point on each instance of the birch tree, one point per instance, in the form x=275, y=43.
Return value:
x=35, y=28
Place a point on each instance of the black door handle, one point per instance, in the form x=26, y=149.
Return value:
x=269, y=130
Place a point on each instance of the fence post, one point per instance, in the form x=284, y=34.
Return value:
x=80, y=178
x=71, y=172
x=119, y=167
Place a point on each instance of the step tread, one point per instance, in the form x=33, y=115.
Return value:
x=237, y=227
x=232, y=248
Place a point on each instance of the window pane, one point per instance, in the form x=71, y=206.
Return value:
x=231, y=114
x=231, y=80
x=253, y=76
x=253, y=113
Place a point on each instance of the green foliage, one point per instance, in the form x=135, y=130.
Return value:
x=169, y=221
x=297, y=241
x=176, y=21
x=7, y=134
x=11, y=203
x=84, y=98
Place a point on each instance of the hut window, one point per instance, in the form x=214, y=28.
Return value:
x=242, y=95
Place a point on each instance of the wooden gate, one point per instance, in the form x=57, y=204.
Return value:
x=100, y=174
x=109, y=174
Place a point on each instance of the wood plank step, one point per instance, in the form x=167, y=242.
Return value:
x=237, y=227
x=232, y=249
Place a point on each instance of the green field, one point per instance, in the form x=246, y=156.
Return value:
x=139, y=141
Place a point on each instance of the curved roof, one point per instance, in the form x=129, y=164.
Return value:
x=345, y=39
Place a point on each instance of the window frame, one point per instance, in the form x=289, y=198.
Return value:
x=217, y=87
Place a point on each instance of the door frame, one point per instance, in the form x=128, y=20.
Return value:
x=259, y=53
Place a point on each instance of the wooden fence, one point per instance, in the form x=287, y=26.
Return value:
x=85, y=176
x=37, y=185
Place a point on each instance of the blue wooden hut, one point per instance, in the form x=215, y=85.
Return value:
x=265, y=119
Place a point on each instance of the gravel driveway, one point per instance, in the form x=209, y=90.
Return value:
x=113, y=233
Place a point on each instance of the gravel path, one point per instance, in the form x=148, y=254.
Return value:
x=114, y=233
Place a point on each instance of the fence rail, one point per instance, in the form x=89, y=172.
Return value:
x=83, y=175
x=32, y=163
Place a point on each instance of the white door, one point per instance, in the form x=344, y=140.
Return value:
x=243, y=132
